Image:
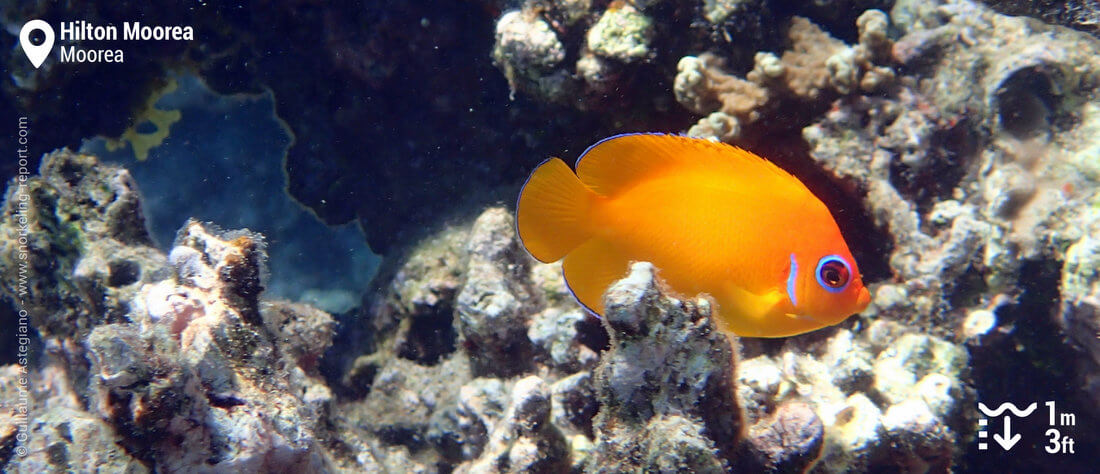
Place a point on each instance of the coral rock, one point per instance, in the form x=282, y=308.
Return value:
x=622, y=34
x=64, y=439
x=493, y=305
x=171, y=356
x=805, y=61
x=790, y=441
x=528, y=51
x=525, y=440
x=665, y=387
x=86, y=247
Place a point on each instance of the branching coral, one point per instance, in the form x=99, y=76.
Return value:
x=702, y=86
x=813, y=69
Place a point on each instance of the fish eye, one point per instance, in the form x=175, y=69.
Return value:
x=833, y=273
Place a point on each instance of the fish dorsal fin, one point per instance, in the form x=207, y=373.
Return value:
x=620, y=162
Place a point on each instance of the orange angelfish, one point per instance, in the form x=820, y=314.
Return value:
x=713, y=218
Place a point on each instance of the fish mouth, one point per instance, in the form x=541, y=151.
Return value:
x=863, y=299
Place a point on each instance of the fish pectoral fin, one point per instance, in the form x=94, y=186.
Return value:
x=754, y=305
x=765, y=315
x=800, y=317
x=746, y=313
x=772, y=302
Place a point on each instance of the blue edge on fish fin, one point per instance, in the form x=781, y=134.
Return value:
x=520, y=237
x=577, y=163
x=574, y=295
x=594, y=145
x=519, y=196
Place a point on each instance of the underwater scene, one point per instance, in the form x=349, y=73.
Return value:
x=550, y=236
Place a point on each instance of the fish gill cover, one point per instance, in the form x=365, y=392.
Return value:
x=156, y=311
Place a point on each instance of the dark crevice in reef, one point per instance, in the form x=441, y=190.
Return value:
x=951, y=156
x=122, y=273
x=356, y=385
x=1026, y=105
x=10, y=345
x=511, y=360
x=430, y=337
x=1028, y=362
x=353, y=338
x=967, y=290
x=7, y=452
x=402, y=436
x=449, y=446
x=1030, y=105
x=121, y=416
x=592, y=334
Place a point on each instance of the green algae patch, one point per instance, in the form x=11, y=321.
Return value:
x=621, y=33
x=141, y=140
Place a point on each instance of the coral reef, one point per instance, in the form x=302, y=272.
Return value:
x=887, y=398
x=169, y=362
x=230, y=150
x=1081, y=15
x=977, y=186
x=524, y=440
x=531, y=50
x=528, y=52
x=790, y=441
x=621, y=34
x=985, y=194
x=1079, y=316
x=468, y=356
x=493, y=305
x=653, y=378
x=200, y=371
x=668, y=371
x=815, y=68
x=87, y=250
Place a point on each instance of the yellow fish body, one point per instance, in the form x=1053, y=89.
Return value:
x=713, y=218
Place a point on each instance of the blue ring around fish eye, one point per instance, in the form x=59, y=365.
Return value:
x=825, y=261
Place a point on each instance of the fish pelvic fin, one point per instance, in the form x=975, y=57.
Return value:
x=553, y=215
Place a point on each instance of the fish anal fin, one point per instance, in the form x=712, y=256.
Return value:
x=591, y=268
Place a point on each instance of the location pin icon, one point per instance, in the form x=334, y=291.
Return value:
x=37, y=54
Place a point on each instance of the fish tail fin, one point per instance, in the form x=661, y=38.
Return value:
x=553, y=213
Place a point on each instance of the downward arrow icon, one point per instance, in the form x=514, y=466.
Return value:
x=1008, y=440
